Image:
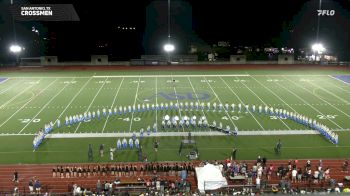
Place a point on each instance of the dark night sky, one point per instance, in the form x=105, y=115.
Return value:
x=248, y=22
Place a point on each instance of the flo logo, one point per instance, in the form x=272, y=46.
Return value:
x=326, y=12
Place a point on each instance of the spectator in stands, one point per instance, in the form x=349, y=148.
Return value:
x=257, y=182
x=15, y=176
x=37, y=186
x=345, y=166
x=31, y=186
x=98, y=187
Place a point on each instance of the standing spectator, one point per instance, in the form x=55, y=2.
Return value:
x=30, y=186
x=15, y=176
x=37, y=186
x=98, y=187
x=345, y=166
x=294, y=175
x=257, y=182
x=250, y=177
x=156, y=145
x=101, y=150
x=234, y=152
x=111, y=153
x=90, y=155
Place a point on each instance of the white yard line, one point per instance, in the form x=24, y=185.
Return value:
x=320, y=97
x=132, y=114
x=116, y=94
x=228, y=115
x=197, y=98
x=172, y=79
x=42, y=108
x=242, y=103
x=28, y=102
x=73, y=99
x=9, y=87
x=274, y=94
x=92, y=102
x=307, y=103
x=264, y=103
x=19, y=94
x=157, y=101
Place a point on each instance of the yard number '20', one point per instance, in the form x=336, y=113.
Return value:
x=328, y=116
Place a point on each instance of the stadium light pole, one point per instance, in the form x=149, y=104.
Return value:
x=315, y=47
x=169, y=47
x=16, y=49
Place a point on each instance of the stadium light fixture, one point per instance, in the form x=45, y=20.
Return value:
x=169, y=47
x=15, y=48
x=318, y=48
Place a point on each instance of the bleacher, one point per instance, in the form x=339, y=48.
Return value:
x=133, y=183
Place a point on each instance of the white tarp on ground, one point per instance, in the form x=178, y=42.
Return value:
x=210, y=177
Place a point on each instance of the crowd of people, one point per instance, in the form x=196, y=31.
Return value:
x=120, y=170
x=260, y=174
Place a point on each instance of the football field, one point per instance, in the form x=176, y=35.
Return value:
x=30, y=100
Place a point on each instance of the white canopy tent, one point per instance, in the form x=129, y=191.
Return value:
x=210, y=177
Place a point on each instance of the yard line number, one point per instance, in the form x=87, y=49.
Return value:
x=328, y=116
x=27, y=120
x=232, y=117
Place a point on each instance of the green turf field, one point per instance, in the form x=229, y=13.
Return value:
x=28, y=100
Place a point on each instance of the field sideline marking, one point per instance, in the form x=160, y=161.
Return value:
x=7, y=78
x=197, y=98
x=167, y=76
x=241, y=102
x=337, y=85
x=171, y=134
x=92, y=102
x=22, y=91
x=338, y=79
x=132, y=114
x=81, y=88
x=198, y=75
x=116, y=94
x=42, y=108
x=28, y=102
x=10, y=87
x=291, y=92
x=202, y=148
x=263, y=103
x=219, y=100
x=177, y=100
x=320, y=97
